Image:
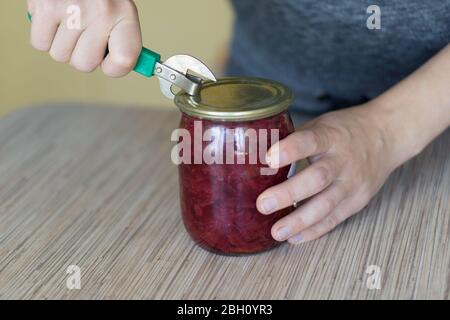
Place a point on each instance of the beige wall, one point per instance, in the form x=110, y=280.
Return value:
x=27, y=77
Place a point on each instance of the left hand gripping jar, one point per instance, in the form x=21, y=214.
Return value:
x=223, y=138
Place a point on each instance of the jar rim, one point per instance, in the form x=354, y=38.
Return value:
x=236, y=99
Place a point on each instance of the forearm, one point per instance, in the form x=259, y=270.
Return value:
x=416, y=110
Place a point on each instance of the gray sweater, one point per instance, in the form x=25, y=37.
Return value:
x=325, y=52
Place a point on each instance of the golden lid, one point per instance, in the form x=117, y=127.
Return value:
x=236, y=99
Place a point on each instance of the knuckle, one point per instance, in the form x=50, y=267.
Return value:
x=313, y=139
x=311, y=235
x=328, y=204
x=60, y=57
x=104, y=8
x=331, y=222
x=127, y=7
x=366, y=195
x=41, y=45
x=358, y=177
x=322, y=176
x=46, y=8
x=84, y=66
x=292, y=195
x=126, y=61
x=296, y=141
x=107, y=72
x=298, y=223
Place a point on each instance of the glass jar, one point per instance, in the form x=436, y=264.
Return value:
x=222, y=170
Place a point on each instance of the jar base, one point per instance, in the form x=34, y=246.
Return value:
x=237, y=254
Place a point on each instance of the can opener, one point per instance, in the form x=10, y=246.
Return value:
x=175, y=71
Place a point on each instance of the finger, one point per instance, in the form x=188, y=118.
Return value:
x=299, y=145
x=343, y=211
x=312, y=212
x=304, y=184
x=90, y=48
x=64, y=43
x=125, y=45
x=44, y=25
x=318, y=230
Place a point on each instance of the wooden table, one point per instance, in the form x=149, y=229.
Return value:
x=94, y=187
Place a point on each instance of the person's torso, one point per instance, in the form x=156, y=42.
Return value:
x=326, y=53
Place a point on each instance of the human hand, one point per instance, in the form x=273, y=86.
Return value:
x=350, y=157
x=104, y=24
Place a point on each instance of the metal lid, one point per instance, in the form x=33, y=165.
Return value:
x=236, y=99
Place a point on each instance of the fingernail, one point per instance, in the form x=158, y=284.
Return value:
x=283, y=233
x=276, y=158
x=297, y=239
x=269, y=204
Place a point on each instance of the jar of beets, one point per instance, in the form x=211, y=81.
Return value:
x=225, y=133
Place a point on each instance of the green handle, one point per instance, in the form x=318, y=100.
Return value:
x=146, y=62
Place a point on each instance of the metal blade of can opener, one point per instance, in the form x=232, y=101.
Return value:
x=176, y=71
x=182, y=71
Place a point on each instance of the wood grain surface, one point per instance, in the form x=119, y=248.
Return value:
x=95, y=187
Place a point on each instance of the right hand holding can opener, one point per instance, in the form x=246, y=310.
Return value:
x=175, y=71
